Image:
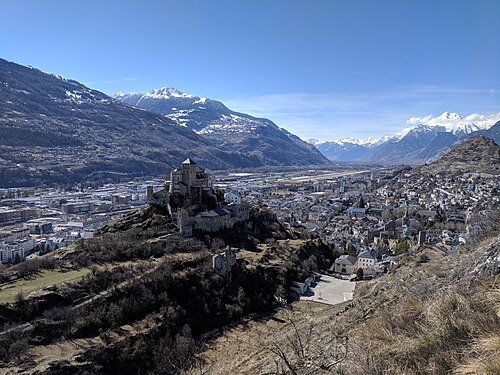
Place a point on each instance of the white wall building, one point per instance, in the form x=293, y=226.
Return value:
x=366, y=260
x=230, y=197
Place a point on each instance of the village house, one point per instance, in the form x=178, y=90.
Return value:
x=366, y=260
x=346, y=264
x=231, y=197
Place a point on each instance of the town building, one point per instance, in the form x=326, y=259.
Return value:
x=346, y=264
x=366, y=260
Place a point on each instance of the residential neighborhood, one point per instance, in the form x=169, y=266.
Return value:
x=370, y=216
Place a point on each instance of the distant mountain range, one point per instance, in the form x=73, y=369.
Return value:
x=54, y=130
x=427, y=138
x=259, y=138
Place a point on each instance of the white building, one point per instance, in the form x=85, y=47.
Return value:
x=17, y=250
x=230, y=197
x=9, y=254
x=366, y=260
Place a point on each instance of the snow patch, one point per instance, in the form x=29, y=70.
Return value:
x=166, y=93
x=72, y=95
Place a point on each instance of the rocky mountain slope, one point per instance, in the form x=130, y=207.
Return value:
x=237, y=132
x=55, y=130
x=478, y=154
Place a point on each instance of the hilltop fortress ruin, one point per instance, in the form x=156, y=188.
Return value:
x=194, y=204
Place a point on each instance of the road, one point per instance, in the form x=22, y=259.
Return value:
x=319, y=177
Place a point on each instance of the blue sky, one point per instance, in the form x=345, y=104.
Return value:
x=324, y=69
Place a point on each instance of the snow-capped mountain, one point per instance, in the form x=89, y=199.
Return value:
x=368, y=142
x=427, y=137
x=161, y=93
x=167, y=93
x=257, y=137
x=454, y=123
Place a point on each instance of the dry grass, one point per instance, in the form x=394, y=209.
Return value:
x=251, y=256
x=424, y=321
x=294, y=244
x=9, y=292
x=440, y=317
x=250, y=347
x=484, y=357
x=286, y=249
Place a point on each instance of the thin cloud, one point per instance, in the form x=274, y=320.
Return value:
x=334, y=116
x=486, y=81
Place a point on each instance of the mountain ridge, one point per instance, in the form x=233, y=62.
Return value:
x=55, y=130
x=478, y=154
x=238, y=132
x=423, y=142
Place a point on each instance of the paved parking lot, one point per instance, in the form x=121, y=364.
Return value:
x=330, y=290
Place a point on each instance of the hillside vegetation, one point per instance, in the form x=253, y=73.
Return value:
x=432, y=314
x=150, y=298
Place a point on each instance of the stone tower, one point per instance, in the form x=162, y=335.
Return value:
x=188, y=172
x=185, y=227
x=149, y=194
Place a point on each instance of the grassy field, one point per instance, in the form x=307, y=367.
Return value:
x=46, y=278
x=251, y=256
x=294, y=244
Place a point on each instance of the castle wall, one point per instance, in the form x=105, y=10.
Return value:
x=186, y=189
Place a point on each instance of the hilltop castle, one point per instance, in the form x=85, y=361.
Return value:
x=194, y=204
